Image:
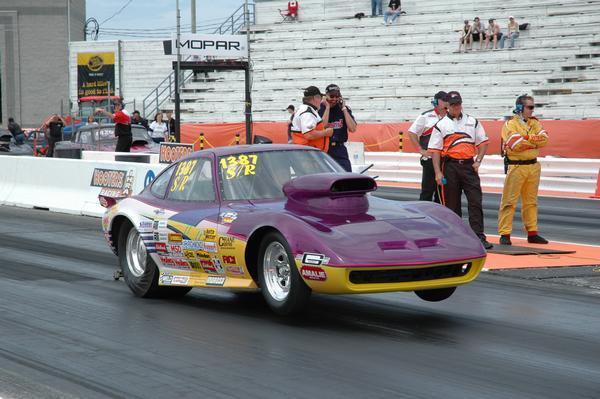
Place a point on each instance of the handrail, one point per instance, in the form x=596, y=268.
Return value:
x=157, y=96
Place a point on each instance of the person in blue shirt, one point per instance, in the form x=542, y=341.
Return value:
x=337, y=115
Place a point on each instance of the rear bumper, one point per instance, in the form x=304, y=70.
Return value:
x=338, y=280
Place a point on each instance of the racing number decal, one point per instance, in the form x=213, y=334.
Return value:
x=182, y=174
x=241, y=165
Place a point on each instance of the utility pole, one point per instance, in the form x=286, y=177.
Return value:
x=177, y=79
x=193, y=3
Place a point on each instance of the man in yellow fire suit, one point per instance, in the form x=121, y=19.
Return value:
x=522, y=137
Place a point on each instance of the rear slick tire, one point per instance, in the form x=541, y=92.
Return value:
x=436, y=295
x=139, y=270
x=280, y=282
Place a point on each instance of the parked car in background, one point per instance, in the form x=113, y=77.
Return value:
x=8, y=146
x=102, y=138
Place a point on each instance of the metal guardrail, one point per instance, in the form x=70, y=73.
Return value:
x=165, y=90
x=558, y=174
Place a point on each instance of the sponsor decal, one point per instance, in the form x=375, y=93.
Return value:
x=202, y=255
x=313, y=259
x=194, y=245
x=166, y=279
x=171, y=152
x=219, y=46
x=195, y=265
x=161, y=247
x=208, y=267
x=189, y=254
x=237, y=270
x=175, y=237
x=181, y=264
x=180, y=280
x=210, y=247
x=159, y=237
x=218, y=265
x=313, y=273
x=229, y=260
x=155, y=225
x=210, y=234
x=166, y=260
x=228, y=217
x=95, y=74
x=176, y=249
x=217, y=281
x=226, y=242
x=146, y=224
x=150, y=176
x=115, y=183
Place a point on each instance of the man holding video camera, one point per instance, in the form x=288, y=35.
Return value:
x=338, y=116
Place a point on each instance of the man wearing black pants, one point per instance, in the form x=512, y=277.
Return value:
x=419, y=134
x=338, y=116
x=457, y=139
x=122, y=127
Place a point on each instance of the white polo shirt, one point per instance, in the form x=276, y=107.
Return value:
x=423, y=126
x=457, y=138
x=306, y=118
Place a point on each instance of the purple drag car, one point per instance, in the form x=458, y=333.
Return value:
x=287, y=220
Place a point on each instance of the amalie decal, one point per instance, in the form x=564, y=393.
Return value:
x=313, y=273
x=171, y=152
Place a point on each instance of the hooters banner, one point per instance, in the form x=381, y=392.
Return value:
x=171, y=152
x=95, y=74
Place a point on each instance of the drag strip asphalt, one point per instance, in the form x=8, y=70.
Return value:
x=68, y=330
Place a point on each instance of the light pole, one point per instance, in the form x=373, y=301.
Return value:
x=248, y=77
x=177, y=78
x=193, y=4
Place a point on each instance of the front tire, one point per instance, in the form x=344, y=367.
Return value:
x=279, y=279
x=139, y=270
x=436, y=295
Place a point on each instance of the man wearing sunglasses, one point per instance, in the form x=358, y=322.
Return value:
x=522, y=137
x=338, y=116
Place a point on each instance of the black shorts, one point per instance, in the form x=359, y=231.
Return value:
x=477, y=35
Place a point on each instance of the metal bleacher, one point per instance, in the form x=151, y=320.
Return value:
x=389, y=73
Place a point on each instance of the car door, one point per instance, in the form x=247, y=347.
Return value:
x=187, y=229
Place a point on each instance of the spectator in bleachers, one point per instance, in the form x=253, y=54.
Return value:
x=136, y=119
x=159, y=129
x=337, y=115
x=493, y=34
x=512, y=33
x=466, y=37
x=292, y=10
x=477, y=32
x=392, y=11
x=376, y=7
x=290, y=109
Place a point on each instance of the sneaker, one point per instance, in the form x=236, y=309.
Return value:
x=486, y=243
x=537, y=239
x=504, y=240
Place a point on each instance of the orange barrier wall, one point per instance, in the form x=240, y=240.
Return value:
x=569, y=139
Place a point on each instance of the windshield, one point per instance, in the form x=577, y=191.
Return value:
x=261, y=175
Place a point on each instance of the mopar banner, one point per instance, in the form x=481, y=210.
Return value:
x=95, y=74
x=219, y=46
x=115, y=183
x=171, y=152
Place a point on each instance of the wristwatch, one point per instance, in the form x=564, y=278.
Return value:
x=478, y=160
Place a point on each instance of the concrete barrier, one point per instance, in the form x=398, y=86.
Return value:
x=63, y=185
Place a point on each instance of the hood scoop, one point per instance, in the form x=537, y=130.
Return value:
x=334, y=194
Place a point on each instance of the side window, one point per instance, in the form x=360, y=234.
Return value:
x=159, y=186
x=192, y=181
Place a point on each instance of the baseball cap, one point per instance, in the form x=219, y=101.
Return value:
x=440, y=95
x=332, y=88
x=511, y=17
x=312, y=91
x=453, y=97
x=290, y=107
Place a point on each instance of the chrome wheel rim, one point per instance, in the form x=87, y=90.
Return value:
x=136, y=253
x=277, y=271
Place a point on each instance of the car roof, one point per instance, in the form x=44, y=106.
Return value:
x=243, y=149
